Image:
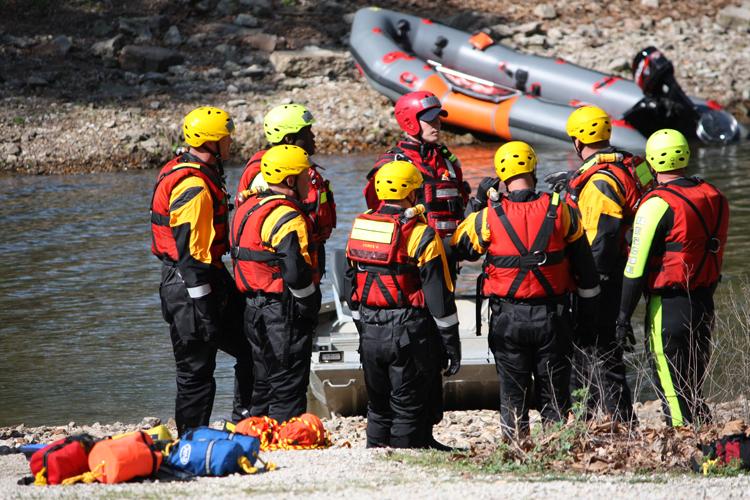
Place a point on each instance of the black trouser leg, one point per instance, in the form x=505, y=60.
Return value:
x=196, y=387
x=513, y=365
x=282, y=347
x=234, y=342
x=195, y=359
x=376, y=355
x=615, y=393
x=530, y=340
x=395, y=359
x=552, y=369
x=678, y=326
x=600, y=369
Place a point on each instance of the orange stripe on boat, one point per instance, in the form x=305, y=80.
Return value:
x=471, y=113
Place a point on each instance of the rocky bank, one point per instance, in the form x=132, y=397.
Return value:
x=103, y=85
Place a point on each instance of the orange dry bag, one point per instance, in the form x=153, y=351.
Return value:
x=125, y=458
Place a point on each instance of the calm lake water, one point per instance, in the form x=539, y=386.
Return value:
x=81, y=334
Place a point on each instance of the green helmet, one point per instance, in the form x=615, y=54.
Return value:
x=666, y=150
x=286, y=119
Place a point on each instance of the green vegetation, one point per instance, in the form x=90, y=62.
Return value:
x=19, y=120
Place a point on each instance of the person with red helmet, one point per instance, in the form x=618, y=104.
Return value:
x=444, y=194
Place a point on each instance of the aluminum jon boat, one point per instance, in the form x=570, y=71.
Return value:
x=491, y=89
x=336, y=378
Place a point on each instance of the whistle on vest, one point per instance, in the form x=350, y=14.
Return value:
x=414, y=211
x=493, y=195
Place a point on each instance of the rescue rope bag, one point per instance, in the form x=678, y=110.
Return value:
x=305, y=432
x=264, y=428
x=65, y=458
x=728, y=450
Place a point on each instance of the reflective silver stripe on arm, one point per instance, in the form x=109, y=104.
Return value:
x=355, y=315
x=197, y=292
x=446, y=321
x=303, y=292
x=587, y=293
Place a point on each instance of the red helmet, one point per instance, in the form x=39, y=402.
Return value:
x=413, y=106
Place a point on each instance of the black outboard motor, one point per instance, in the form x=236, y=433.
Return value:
x=666, y=105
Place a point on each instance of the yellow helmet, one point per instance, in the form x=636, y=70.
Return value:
x=589, y=124
x=666, y=150
x=286, y=119
x=396, y=180
x=514, y=158
x=206, y=124
x=279, y=162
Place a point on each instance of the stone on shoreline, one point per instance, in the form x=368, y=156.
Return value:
x=735, y=16
x=311, y=61
x=144, y=58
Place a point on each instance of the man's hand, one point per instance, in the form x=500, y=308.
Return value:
x=559, y=180
x=485, y=185
x=624, y=335
x=451, y=350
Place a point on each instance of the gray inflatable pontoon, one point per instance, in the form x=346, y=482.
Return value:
x=489, y=88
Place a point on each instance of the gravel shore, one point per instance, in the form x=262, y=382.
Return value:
x=348, y=470
x=361, y=473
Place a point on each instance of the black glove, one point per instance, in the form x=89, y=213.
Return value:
x=485, y=185
x=587, y=316
x=208, y=320
x=309, y=307
x=624, y=335
x=559, y=180
x=451, y=350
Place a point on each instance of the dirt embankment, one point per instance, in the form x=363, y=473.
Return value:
x=103, y=85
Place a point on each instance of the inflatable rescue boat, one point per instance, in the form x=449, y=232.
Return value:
x=491, y=89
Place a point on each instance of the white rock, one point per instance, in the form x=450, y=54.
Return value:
x=246, y=20
x=545, y=11
x=651, y=4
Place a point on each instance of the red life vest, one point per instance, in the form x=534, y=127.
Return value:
x=694, y=246
x=442, y=194
x=163, y=244
x=387, y=276
x=526, y=256
x=319, y=205
x=256, y=267
x=627, y=172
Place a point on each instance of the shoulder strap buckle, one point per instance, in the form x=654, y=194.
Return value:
x=713, y=245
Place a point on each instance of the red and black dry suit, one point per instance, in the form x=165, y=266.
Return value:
x=443, y=194
x=606, y=190
x=536, y=256
x=402, y=297
x=319, y=204
x=679, y=236
x=275, y=268
x=189, y=223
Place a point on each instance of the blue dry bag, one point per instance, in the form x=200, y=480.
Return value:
x=250, y=445
x=218, y=457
